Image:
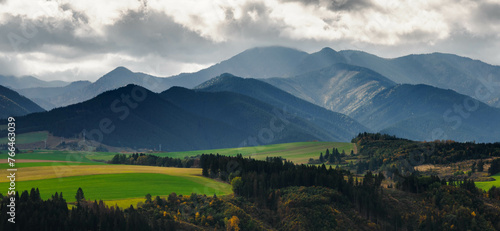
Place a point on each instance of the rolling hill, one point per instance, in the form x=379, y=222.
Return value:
x=339, y=125
x=14, y=104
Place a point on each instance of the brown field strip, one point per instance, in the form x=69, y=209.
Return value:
x=48, y=172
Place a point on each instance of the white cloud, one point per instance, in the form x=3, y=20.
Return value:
x=95, y=36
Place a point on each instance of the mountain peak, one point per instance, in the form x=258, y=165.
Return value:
x=327, y=50
x=120, y=69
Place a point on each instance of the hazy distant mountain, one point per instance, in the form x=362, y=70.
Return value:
x=260, y=62
x=81, y=91
x=28, y=82
x=464, y=75
x=14, y=104
x=340, y=87
x=51, y=97
x=338, y=125
x=445, y=71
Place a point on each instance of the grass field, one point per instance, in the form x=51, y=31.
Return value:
x=299, y=152
x=486, y=185
x=27, y=138
x=73, y=156
x=41, y=164
x=64, y=171
x=123, y=186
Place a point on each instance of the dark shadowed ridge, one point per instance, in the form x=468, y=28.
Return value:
x=178, y=119
x=259, y=119
x=14, y=104
x=153, y=121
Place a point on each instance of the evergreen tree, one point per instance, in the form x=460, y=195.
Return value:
x=480, y=166
x=321, y=159
x=494, y=167
x=331, y=158
x=79, y=195
x=327, y=154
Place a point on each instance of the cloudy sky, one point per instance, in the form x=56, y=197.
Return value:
x=75, y=40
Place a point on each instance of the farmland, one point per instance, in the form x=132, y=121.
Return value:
x=299, y=152
x=486, y=185
x=123, y=186
x=27, y=138
x=64, y=171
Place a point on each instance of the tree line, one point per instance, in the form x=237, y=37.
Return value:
x=153, y=160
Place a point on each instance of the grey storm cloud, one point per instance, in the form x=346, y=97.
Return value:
x=141, y=33
x=246, y=27
x=337, y=5
x=135, y=33
x=489, y=12
x=26, y=35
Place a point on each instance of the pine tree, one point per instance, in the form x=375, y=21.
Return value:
x=327, y=154
x=494, y=167
x=480, y=166
x=321, y=159
x=331, y=158
x=79, y=195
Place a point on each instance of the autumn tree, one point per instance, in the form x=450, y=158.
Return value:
x=233, y=224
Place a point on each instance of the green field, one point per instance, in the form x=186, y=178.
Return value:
x=40, y=164
x=73, y=156
x=64, y=171
x=486, y=185
x=122, y=186
x=299, y=152
x=28, y=138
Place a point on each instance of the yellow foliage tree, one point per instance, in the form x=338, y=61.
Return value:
x=233, y=224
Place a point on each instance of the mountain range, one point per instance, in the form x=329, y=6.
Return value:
x=332, y=95
x=14, y=82
x=178, y=119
